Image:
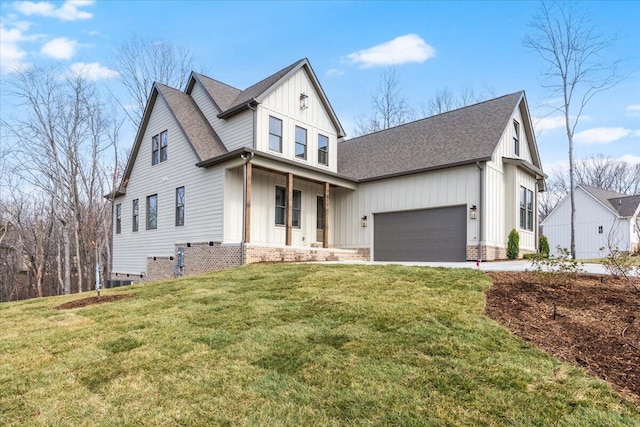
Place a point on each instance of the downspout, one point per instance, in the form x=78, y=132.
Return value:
x=480, y=211
x=536, y=230
x=247, y=158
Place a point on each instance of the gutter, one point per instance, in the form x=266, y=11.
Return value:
x=237, y=109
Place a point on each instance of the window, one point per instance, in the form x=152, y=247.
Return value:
x=301, y=143
x=275, y=134
x=159, y=147
x=118, y=218
x=281, y=206
x=600, y=230
x=320, y=213
x=152, y=212
x=297, y=208
x=136, y=215
x=516, y=138
x=526, y=209
x=179, y=206
x=323, y=150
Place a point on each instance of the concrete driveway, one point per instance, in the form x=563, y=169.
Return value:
x=517, y=265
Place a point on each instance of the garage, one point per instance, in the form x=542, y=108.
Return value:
x=438, y=234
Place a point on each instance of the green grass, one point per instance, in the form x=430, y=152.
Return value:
x=296, y=345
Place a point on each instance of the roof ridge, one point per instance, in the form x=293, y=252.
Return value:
x=217, y=81
x=431, y=117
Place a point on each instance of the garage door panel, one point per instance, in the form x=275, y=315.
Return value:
x=422, y=235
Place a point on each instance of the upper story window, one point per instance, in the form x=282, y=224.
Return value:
x=275, y=134
x=600, y=229
x=526, y=209
x=516, y=138
x=136, y=215
x=281, y=207
x=152, y=212
x=179, y=206
x=159, y=147
x=323, y=150
x=301, y=143
x=118, y=218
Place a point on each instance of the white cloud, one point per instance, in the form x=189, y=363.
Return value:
x=545, y=124
x=60, y=48
x=401, y=50
x=92, y=71
x=633, y=110
x=68, y=11
x=334, y=72
x=630, y=158
x=603, y=135
x=12, y=56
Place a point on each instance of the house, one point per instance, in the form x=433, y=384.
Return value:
x=220, y=177
x=603, y=219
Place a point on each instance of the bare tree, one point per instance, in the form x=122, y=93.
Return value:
x=572, y=48
x=388, y=107
x=602, y=172
x=446, y=99
x=141, y=62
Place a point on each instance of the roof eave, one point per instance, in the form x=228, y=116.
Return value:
x=237, y=109
x=428, y=169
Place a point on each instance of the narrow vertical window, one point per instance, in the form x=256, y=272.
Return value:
x=530, y=210
x=600, y=229
x=297, y=208
x=281, y=205
x=136, y=215
x=118, y=218
x=275, y=134
x=155, y=150
x=523, y=207
x=516, y=138
x=164, y=146
x=320, y=213
x=323, y=150
x=179, y=206
x=152, y=212
x=301, y=143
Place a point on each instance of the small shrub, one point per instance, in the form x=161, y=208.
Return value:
x=559, y=270
x=618, y=263
x=531, y=256
x=513, y=245
x=543, y=245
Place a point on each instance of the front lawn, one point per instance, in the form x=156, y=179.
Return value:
x=289, y=344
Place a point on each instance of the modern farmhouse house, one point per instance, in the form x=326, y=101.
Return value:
x=219, y=177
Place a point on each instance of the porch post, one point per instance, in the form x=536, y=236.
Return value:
x=247, y=206
x=325, y=234
x=289, y=208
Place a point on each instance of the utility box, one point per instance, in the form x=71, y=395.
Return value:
x=180, y=256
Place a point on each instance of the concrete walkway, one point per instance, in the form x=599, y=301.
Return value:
x=517, y=265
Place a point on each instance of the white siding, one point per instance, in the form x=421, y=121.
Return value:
x=450, y=187
x=590, y=215
x=235, y=132
x=203, y=198
x=284, y=103
x=505, y=147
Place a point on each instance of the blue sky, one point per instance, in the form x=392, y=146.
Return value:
x=436, y=45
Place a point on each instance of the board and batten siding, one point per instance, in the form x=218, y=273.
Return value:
x=203, y=198
x=448, y=187
x=505, y=146
x=590, y=215
x=283, y=103
x=235, y=132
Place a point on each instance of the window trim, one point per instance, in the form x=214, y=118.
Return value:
x=324, y=151
x=180, y=207
x=164, y=146
x=160, y=147
x=526, y=209
x=119, y=218
x=295, y=209
x=282, y=207
x=155, y=150
x=135, y=215
x=276, y=120
x=304, y=144
x=516, y=137
x=149, y=225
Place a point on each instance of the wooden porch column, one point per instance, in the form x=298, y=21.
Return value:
x=247, y=206
x=289, y=215
x=325, y=233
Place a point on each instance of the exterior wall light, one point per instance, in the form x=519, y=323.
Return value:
x=363, y=221
x=473, y=212
x=304, y=101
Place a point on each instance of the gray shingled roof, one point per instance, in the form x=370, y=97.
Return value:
x=197, y=129
x=455, y=137
x=624, y=204
x=257, y=89
x=222, y=94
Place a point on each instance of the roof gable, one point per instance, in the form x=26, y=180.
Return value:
x=222, y=95
x=461, y=136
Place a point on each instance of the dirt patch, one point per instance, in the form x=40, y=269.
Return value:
x=92, y=301
x=593, y=322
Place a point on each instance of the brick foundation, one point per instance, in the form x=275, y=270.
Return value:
x=491, y=253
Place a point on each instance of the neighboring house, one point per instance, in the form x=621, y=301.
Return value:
x=220, y=177
x=603, y=219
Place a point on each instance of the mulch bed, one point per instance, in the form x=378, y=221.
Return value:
x=93, y=300
x=596, y=324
